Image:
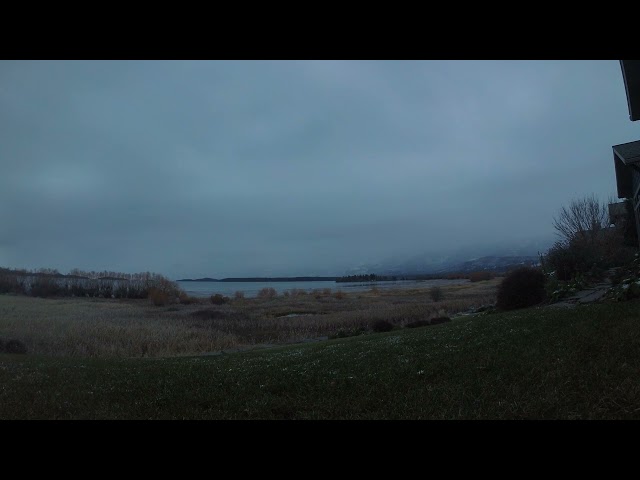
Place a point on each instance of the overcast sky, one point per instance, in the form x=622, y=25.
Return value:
x=237, y=168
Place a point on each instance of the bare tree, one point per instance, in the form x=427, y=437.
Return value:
x=583, y=219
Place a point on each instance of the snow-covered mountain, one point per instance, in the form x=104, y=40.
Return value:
x=472, y=258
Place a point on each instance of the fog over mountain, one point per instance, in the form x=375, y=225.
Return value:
x=276, y=168
x=472, y=257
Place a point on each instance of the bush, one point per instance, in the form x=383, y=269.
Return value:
x=268, y=293
x=570, y=259
x=339, y=295
x=521, y=288
x=436, y=293
x=319, y=293
x=560, y=261
x=626, y=281
x=590, y=257
x=219, y=299
x=120, y=292
x=106, y=291
x=159, y=297
x=10, y=284
x=163, y=291
x=239, y=295
x=44, y=287
x=167, y=286
x=557, y=290
x=480, y=276
x=382, y=326
x=187, y=300
x=348, y=333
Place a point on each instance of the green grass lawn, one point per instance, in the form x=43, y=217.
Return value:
x=582, y=363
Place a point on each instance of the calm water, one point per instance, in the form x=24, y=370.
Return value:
x=251, y=289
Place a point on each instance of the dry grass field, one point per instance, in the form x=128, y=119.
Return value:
x=84, y=327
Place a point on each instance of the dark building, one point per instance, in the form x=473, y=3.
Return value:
x=618, y=214
x=626, y=157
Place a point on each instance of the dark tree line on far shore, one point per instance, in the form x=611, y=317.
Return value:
x=47, y=282
x=367, y=278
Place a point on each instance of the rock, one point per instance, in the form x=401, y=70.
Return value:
x=593, y=296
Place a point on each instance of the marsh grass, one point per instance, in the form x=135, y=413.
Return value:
x=92, y=327
x=580, y=363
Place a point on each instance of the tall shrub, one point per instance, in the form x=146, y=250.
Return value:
x=436, y=293
x=521, y=288
x=267, y=293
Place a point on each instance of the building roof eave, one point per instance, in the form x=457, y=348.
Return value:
x=631, y=77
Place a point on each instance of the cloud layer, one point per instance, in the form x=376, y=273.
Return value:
x=222, y=168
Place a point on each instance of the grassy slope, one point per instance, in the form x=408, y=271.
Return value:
x=553, y=364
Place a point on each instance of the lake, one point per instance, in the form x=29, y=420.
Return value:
x=251, y=289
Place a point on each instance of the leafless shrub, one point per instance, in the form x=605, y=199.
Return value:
x=583, y=219
x=163, y=291
x=10, y=283
x=268, y=293
x=158, y=297
x=588, y=246
x=187, y=299
x=320, y=293
x=219, y=299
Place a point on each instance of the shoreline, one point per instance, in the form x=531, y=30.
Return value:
x=122, y=328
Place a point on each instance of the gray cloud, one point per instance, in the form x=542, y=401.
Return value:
x=252, y=167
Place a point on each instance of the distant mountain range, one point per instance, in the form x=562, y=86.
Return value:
x=449, y=265
x=492, y=263
x=495, y=257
